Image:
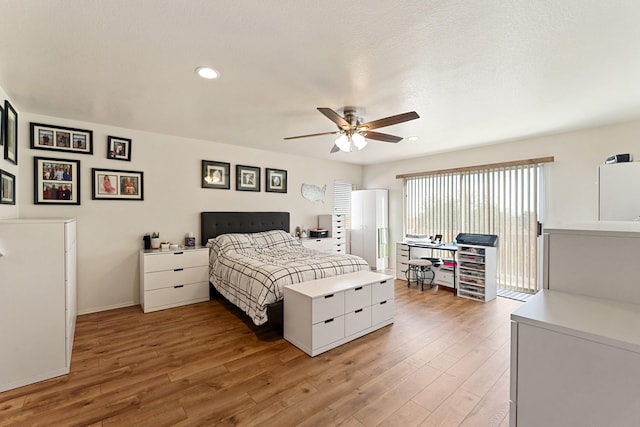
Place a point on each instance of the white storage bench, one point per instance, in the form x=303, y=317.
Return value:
x=325, y=313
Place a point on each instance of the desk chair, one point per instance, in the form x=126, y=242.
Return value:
x=420, y=268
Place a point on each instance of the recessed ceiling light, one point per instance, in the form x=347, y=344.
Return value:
x=412, y=138
x=207, y=73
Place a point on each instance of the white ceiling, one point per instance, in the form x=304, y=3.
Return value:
x=477, y=72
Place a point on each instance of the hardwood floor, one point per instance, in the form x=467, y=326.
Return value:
x=444, y=362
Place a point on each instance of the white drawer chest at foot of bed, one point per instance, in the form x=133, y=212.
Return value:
x=170, y=278
x=325, y=313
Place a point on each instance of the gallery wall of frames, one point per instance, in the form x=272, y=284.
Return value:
x=57, y=179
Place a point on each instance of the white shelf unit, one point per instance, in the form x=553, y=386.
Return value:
x=336, y=225
x=170, y=278
x=477, y=272
x=325, y=313
x=38, y=299
x=402, y=261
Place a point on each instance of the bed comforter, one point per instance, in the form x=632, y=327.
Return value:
x=251, y=270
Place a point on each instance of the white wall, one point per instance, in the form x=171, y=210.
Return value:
x=571, y=187
x=10, y=211
x=110, y=232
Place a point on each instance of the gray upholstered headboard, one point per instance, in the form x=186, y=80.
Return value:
x=212, y=224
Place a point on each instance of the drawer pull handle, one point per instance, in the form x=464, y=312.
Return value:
x=383, y=282
x=178, y=286
x=328, y=321
x=359, y=310
x=178, y=269
x=328, y=296
x=383, y=302
x=178, y=253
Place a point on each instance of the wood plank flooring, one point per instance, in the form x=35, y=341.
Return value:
x=444, y=362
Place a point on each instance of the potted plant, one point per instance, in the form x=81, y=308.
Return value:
x=155, y=240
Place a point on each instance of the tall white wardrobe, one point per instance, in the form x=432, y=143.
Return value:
x=38, y=300
x=370, y=226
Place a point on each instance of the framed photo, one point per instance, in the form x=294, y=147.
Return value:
x=10, y=124
x=118, y=148
x=56, y=181
x=56, y=138
x=276, y=180
x=7, y=188
x=111, y=184
x=247, y=178
x=216, y=175
x=1, y=125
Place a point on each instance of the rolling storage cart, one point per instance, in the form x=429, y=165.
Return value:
x=477, y=266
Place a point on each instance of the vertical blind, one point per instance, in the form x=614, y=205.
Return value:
x=493, y=200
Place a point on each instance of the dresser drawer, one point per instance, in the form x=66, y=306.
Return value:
x=382, y=291
x=170, y=278
x=382, y=311
x=175, y=259
x=357, y=321
x=358, y=297
x=158, y=299
x=328, y=331
x=326, y=307
x=322, y=244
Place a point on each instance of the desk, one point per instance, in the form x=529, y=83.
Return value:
x=404, y=250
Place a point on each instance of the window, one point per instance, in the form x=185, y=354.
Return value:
x=495, y=199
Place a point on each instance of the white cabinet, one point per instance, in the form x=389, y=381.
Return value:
x=402, y=261
x=369, y=226
x=322, y=244
x=325, y=313
x=618, y=191
x=336, y=225
x=170, y=278
x=477, y=272
x=38, y=299
x=598, y=258
x=575, y=361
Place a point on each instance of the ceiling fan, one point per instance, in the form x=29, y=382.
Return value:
x=353, y=132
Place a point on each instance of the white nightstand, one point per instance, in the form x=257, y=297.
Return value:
x=170, y=278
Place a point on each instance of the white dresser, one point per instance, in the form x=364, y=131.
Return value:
x=325, y=313
x=323, y=244
x=170, y=278
x=38, y=299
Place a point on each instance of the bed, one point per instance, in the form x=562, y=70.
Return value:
x=252, y=257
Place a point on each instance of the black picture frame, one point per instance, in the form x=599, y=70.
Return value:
x=215, y=175
x=56, y=181
x=114, y=184
x=10, y=123
x=247, y=178
x=7, y=188
x=58, y=138
x=275, y=180
x=118, y=148
x=1, y=125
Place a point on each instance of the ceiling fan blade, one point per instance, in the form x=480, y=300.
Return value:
x=334, y=149
x=337, y=132
x=335, y=118
x=381, y=136
x=388, y=121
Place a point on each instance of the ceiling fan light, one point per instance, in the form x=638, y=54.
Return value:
x=343, y=143
x=359, y=141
